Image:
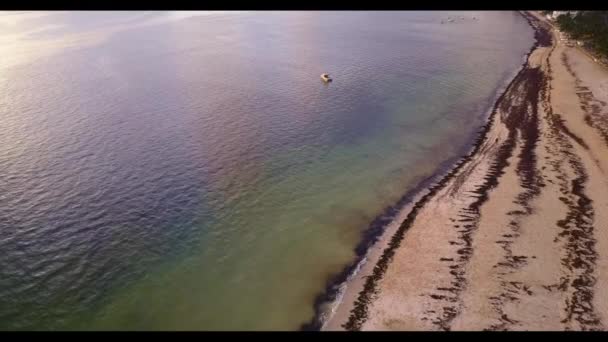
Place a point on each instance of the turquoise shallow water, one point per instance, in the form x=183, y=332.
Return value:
x=191, y=171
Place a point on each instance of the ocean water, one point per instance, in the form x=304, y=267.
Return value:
x=174, y=170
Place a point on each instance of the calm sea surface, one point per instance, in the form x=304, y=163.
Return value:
x=191, y=171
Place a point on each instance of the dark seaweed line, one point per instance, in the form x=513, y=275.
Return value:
x=581, y=254
x=580, y=251
x=469, y=217
x=580, y=211
x=369, y=237
x=376, y=228
x=531, y=183
x=516, y=120
x=556, y=119
x=472, y=214
x=577, y=228
x=580, y=244
x=360, y=311
x=589, y=104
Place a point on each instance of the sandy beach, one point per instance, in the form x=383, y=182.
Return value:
x=515, y=236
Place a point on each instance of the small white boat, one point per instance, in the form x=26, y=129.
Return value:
x=326, y=78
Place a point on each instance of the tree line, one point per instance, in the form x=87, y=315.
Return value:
x=591, y=27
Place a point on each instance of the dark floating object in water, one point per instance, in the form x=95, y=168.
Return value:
x=326, y=78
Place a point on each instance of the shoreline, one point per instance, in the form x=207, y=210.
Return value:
x=512, y=237
x=359, y=312
x=379, y=238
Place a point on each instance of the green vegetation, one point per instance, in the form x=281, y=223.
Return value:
x=588, y=26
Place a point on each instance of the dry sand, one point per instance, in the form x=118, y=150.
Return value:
x=516, y=236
